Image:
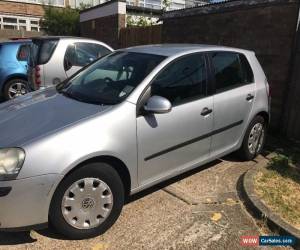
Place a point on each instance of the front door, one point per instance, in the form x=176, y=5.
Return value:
x=169, y=143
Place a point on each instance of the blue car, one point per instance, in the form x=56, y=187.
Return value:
x=13, y=68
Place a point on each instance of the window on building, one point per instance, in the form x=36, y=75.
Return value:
x=78, y=3
x=10, y=20
x=34, y=22
x=47, y=2
x=9, y=27
x=19, y=23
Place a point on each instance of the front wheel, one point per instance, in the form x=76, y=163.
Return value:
x=15, y=88
x=87, y=202
x=254, y=139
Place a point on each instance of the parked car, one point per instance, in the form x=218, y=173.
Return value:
x=130, y=120
x=13, y=68
x=53, y=59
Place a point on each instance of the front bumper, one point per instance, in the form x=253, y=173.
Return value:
x=28, y=201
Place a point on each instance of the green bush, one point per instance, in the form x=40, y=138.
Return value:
x=61, y=22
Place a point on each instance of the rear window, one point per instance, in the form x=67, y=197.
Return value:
x=42, y=50
x=23, y=52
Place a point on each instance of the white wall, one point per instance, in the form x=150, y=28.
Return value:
x=106, y=10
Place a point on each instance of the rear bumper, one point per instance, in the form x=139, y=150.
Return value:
x=26, y=202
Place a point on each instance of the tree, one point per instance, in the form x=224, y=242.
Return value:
x=140, y=21
x=166, y=5
x=61, y=22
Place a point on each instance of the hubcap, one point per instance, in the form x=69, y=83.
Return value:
x=256, y=138
x=87, y=203
x=17, y=89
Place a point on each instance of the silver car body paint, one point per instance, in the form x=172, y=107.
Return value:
x=58, y=133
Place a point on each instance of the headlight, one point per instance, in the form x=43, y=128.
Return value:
x=11, y=161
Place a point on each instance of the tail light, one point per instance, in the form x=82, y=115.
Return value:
x=37, y=76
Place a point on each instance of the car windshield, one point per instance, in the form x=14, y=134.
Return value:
x=111, y=79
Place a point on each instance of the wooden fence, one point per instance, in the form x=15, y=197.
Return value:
x=132, y=36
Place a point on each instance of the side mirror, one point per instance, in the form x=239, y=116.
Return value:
x=158, y=105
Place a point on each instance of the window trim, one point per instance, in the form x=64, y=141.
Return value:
x=212, y=70
x=39, y=3
x=146, y=93
x=27, y=25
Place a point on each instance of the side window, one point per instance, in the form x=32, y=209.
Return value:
x=23, y=52
x=182, y=81
x=247, y=72
x=231, y=70
x=101, y=50
x=81, y=54
x=89, y=52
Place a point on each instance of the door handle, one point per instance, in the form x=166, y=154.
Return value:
x=206, y=111
x=249, y=97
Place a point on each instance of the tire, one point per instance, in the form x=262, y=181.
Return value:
x=63, y=217
x=20, y=87
x=248, y=152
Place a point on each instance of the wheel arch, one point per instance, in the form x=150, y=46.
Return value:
x=13, y=77
x=265, y=115
x=261, y=113
x=115, y=162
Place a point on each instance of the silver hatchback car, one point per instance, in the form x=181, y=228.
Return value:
x=71, y=155
x=55, y=58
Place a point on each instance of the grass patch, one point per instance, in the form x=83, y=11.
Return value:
x=279, y=187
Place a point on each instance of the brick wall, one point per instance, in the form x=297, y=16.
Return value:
x=105, y=29
x=292, y=108
x=7, y=7
x=267, y=27
x=8, y=34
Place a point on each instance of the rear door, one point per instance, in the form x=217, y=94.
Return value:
x=40, y=71
x=80, y=54
x=233, y=99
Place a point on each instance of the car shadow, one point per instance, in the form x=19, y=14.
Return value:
x=15, y=238
x=168, y=182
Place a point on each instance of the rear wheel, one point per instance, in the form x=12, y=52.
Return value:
x=254, y=139
x=87, y=202
x=15, y=88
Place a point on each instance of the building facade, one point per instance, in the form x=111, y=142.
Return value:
x=25, y=15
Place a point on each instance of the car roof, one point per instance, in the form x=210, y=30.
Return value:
x=58, y=38
x=174, y=49
x=20, y=41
